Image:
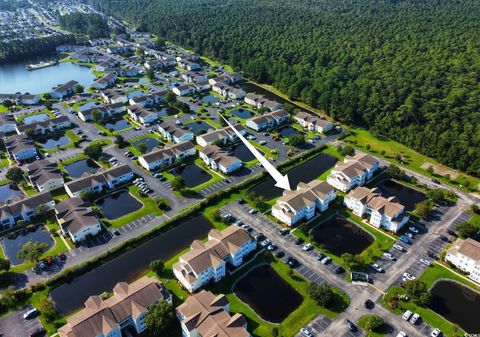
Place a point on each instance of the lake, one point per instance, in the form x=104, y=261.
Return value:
x=193, y=175
x=243, y=153
x=242, y=113
x=305, y=172
x=35, y=118
x=456, y=303
x=88, y=105
x=9, y=192
x=15, y=77
x=54, y=142
x=79, y=167
x=150, y=142
x=209, y=99
x=268, y=294
x=288, y=131
x=339, y=235
x=407, y=196
x=118, y=204
x=199, y=127
x=14, y=242
x=71, y=296
x=117, y=125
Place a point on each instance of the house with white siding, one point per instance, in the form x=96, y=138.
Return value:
x=46, y=126
x=228, y=91
x=313, y=122
x=219, y=160
x=167, y=156
x=206, y=262
x=20, y=147
x=384, y=213
x=223, y=136
x=259, y=102
x=105, y=81
x=465, y=255
x=354, y=171
x=303, y=203
x=20, y=99
x=44, y=175
x=114, y=96
x=63, y=90
x=104, y=111
x=8, y=123
x=268, y=120
x=149, y=99
x=77, y=219
x=171, y=132
x=24, y=209
x=142, y=115
x=184, y=90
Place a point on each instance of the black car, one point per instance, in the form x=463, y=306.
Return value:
x=260, y=237
x=320, y=257
x=280, y=254
x=351, y=326
x=241, y=201
x=369, y=304
x=436, y=181
x=339, y=270
x=298, y=241
x=292, y=263
x=283, y=231
x=452, y=232
x=444, y=238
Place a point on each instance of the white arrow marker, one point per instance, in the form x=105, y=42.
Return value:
x=282, y=180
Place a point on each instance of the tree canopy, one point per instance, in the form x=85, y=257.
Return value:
x=407, y=70
x=92, y=25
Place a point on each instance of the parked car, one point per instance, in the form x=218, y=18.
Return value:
x=426, y=262
x=320, y=256
x=298, y=241
x=369, y=304
x=262, y=142
x=307, y=247
x=138, y=128
x=389, y=256
x=39, y=331
x=271, y=247
x=42, y=265
x=377, y=267
x=292, y=262
x=339, y=270
x=413, y=229
x=306, y=333
x=265, y=243
x=407, y=314
x=409, y=277
x=30, y=313
x=405, y=239
x=435, y=333
x=280, y=254
x=351, y=326
x=62, y=256
x=252, y=211
x=401, y=334
x=283, y=231
x=49, y=261
x=411, y=236
x=326, y=260
x=398, y=247
x=414, y=318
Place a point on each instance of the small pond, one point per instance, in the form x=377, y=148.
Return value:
x=134, y=94
x=242, y=113
x=118, y=204
x=456, y=303
x=193, y=175
x=150, y=142
x=54, y=142
x=88, y=105
x=14, y=242
x=243, y=153
x=339, y=235
x=209, y=99
x=288, y=131
x=78, y=168
x=9, y=192
x=117, y=125
x=268, y=294
x=127, y=267
x=36, y=118
x=199, y=126
x=305, y=172
x=407, y=196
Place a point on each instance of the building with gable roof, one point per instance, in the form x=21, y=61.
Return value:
x=77, y=219
x=24, y=209
x=219, y=160
x=166, y=156
x=465, y=255
x=173, y=133
x=224, y=135
x=354, y=171
x=44, y=175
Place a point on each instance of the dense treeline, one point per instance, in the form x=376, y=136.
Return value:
x=92, y=25
x=28, y=49
x=409, y=70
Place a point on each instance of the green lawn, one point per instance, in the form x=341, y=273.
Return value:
x=361, y=322
x=3, y=108
x=297, y=319
x=438, y=271
x=149, y=207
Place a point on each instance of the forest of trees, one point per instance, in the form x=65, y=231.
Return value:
x=28, y=49
x=92, y=25
x=406, y=69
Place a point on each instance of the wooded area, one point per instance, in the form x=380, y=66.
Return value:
x=91, y=25
x=408, y=70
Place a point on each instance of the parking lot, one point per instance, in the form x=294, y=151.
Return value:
x=14, y=325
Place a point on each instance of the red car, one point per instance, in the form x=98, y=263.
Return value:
x=49, y=261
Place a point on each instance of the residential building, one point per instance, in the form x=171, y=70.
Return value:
x=114, y=96
x=20, y=99
x=24, y=209
x=354, y=171
x=104, y=111
x=44, y=175
x=184, y=90
x=226, y=78
x=63, y=90
x=167, y=156
x=77, y=219
x=104, y=65
x=207, y=315
x=465, y=255
x=7, y=123
x=206, y=262
x=219, y=160
x=171, y=132
x=259, y=102
x=302, y=204
x=46, y=126
x=126, y=308
x=105, y=81
x=194, y=77
x=154, y=64
x=20, y=147
x=188, y=64
x=142, y=115
x=384, y=213
x=313, y=122
x=149, y=99
x=268, y=120
x=100, y=181
x=223, y=136
x=228, y=91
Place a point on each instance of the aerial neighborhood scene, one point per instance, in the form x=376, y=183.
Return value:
x=245, y=168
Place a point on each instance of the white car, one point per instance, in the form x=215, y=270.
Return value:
x=306, y=333
x=30, y=313
x=389, y=256
x=377, y=267
x=407, y=314
x=414, y=318
x=409, y=277
x=426, y=262
x=402, y=334
x=252, y=211
x=398, y=247
x=435, y=333
x=413, y=229
x=307, y=247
